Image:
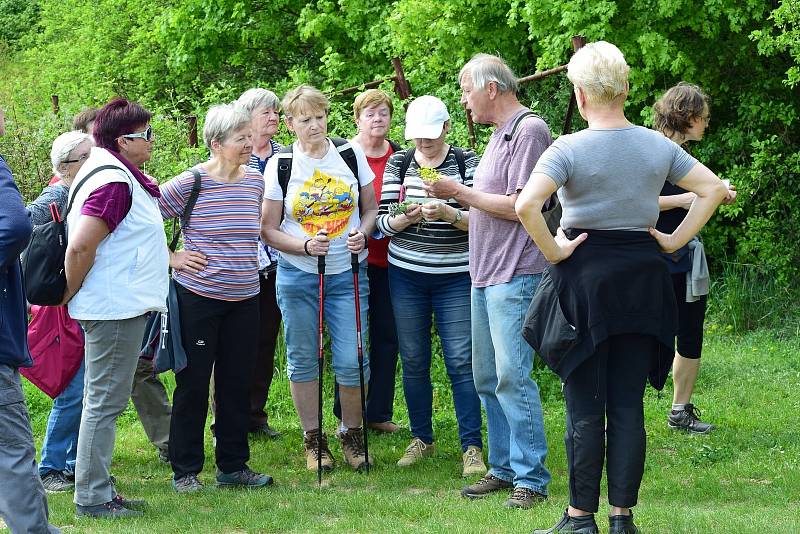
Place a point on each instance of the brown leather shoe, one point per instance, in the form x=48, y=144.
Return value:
x=484, y=486
x=387, y=427
x=353, y=448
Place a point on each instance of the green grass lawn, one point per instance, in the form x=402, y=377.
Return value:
x=744, y=477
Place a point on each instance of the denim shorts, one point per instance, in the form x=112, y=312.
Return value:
x=298, y=299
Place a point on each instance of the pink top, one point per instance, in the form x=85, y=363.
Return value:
x=111, y=202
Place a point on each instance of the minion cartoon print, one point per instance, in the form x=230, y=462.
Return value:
x=323, y=201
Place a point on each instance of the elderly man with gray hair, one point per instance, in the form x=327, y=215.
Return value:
x=505, y=267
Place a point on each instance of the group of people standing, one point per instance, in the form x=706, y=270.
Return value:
x=434, y=235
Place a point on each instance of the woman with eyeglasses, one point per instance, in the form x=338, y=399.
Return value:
x=116, y=267
x=682, y=115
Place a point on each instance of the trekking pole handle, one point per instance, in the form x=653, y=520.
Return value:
x=354, y=261
x=321, y=264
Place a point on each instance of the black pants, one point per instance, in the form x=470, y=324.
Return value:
x=605, y=421
x=382, y=350
x=224, y=336
x=270, y=323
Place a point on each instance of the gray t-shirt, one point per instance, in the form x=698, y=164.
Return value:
x=610, y=179
x=500, y=249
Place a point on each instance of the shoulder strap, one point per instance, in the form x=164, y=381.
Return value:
x=461, y=162
x=408, y=157
x=395, y=146
x=285, y=167
x=187, y=210
x=348, y=155
x=519, y=119
x=74, y=190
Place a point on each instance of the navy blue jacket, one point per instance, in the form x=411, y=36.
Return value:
x=15, y=231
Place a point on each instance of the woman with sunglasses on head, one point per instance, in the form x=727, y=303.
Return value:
x=69, y=152
x=116, y=268
x=682, y=115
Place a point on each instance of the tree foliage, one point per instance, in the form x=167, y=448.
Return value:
x=180, y=57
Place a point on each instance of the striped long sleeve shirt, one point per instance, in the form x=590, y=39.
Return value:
x=435, y=247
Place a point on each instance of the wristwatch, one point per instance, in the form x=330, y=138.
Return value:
x=458, y=217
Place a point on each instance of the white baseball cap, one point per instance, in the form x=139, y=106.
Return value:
x=425, y=118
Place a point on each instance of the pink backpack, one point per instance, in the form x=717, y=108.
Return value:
x=56, y=344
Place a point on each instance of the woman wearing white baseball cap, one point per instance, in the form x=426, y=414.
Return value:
x=428, y=277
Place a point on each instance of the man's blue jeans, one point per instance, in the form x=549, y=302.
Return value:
x=502, y=362
x=61, y=438
x=416, y=299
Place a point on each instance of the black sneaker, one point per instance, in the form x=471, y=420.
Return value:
x=56, y=482
x=187, y=484
x=622, y=524
x=689, y=419
x=131, y=504
x=163, y=455
x=524, y=498
x=264, y=431
x=108, y=510
x=246, y=478
x=572, y=525
x=484, y=486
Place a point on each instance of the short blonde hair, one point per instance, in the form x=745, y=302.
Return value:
x=369, y=99
x=600, y=70
x=304, y=100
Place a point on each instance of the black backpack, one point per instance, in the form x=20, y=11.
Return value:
x=408, y=157
x=43, y=260
x=552, y=208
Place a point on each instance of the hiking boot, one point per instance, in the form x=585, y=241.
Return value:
x=621, y=524
x=473, y=462
x=69, y=475
x=246, y=478
x=187, y=484
x=313, y=441
x=524, y=498
x=572, y=525
x=56, y=482
x=416, y=451
x=486, y=485
x=265, y=431
x=130, y=504
x=688, y=419
x=109, y=510
x=353, y=448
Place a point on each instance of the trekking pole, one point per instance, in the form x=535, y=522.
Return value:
x=321, y=271
x=354, y=265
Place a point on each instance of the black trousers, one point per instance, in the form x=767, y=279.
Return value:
x=222, y=336
x=605, y=421
x=270, y=323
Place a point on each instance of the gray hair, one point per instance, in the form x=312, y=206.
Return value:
x=258, y=98
x=63, y=145
x=486, y=68
x=221, y=121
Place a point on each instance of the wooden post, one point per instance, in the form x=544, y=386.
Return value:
x=191, y=120
x=54, y=100
x=471, y=128
x=577, y=43
x=401, y=85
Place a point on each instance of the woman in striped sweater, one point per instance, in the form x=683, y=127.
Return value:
x=428, y=277
x=217, y=284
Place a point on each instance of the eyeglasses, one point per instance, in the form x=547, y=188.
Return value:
x=147, y=135
x=83, y=157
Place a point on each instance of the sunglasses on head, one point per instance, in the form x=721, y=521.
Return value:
x=83, y=157
x=147, y=135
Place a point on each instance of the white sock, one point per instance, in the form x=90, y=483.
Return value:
x=678, y=407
